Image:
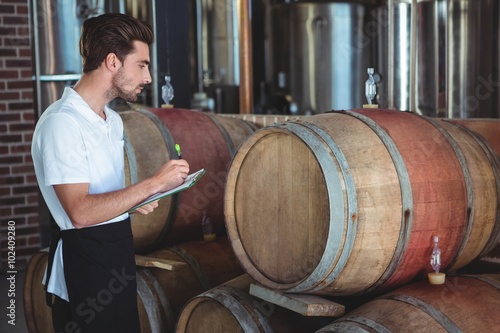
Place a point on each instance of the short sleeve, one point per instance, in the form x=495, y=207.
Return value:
x=63, y=151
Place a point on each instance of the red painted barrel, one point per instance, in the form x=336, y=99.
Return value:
x=347, y=203
x=207, y=141
x=462, y=304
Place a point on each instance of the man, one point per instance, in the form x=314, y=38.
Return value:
x=77, y=152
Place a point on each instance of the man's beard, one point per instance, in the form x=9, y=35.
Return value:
x=120, y=80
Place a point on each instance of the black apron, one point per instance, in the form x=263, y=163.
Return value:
x=100, y=273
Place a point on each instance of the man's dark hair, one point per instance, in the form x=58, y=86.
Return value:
x=111, y=33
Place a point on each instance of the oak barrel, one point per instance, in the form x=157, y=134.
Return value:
x=488, y=129
x=463, y=304
x=38, y=314
x=154, y=313
x=347, y=203
x=206, y=142
x=208, y=264
x=230, y=308
x=263, y=120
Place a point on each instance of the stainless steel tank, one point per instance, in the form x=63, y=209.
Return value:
x=473, y=61
x=56, y=28
x=442, y=57
x=56, y=32
x=217, y=44
x=321, y=51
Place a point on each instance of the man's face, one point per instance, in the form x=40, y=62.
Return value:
x=133, y=75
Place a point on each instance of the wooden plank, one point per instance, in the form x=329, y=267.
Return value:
x=306, y=305
x=170, y=265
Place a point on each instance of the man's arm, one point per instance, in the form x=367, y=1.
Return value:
x=86, y=209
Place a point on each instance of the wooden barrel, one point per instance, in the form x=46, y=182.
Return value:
x=474, y=155
x=206, y=141
x=209, y=263
x=462, y=304
x=230, y=308
x=348, y=202
x=263, y=120
x=38, y=314
x=487, y=264
x=238, y=130
x=154, y=313
x=488, y=129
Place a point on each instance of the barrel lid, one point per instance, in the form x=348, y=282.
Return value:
x=279, y=205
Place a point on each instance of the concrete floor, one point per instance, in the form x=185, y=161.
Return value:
x=7, y=294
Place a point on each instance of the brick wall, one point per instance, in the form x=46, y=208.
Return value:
x=18, y=189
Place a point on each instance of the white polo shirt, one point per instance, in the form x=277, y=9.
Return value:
x=72, y=144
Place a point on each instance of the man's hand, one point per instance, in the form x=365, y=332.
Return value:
x=171, y=174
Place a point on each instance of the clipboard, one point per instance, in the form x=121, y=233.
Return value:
x=188, y=182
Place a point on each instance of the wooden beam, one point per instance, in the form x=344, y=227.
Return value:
x=306, y=305
x=170, y=265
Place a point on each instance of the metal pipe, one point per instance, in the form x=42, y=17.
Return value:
x=390, y=54
x=246, y=78
x=413, y=54
x=199, y=43
x=154, y=59
x=58, y=77
x=36, y=49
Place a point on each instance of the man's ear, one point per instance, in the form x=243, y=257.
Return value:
x=112, y=62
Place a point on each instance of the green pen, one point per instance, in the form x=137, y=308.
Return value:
x=178, y=150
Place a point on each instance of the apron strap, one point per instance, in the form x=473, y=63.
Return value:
x=56, y=236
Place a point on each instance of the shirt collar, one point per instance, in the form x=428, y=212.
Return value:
x=84, y=109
